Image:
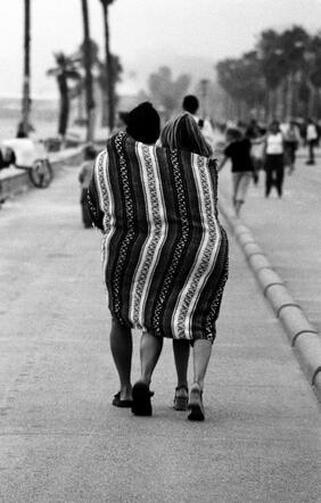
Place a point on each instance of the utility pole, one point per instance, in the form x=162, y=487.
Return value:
x=90, y=104
x=26, y=102
x=109, y=66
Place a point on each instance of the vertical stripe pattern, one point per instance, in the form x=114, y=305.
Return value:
x=165, y=254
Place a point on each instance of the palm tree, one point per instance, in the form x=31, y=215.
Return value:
x=24, y=126
x=109, y=66
x=66, y=69
x=90, y=104
x=102, y=80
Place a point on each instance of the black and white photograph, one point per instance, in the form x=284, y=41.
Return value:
x=160, y=251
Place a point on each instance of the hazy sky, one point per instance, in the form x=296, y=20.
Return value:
x=141, y=29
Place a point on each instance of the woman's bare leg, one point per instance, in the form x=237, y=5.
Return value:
x=181, y=350
x=122, y=347
x=150, y=350
x=201, y=356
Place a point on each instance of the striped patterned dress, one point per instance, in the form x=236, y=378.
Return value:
x=164, y=252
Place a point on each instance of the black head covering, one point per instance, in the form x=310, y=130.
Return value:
x=143, y=123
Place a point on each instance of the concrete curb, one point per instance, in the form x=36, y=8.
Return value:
x=303, y=337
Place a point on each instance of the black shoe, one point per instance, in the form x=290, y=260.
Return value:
x=117, y=402
x=195, y=405
x=141, y=405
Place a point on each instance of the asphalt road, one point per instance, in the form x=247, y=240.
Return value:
x=62, y=441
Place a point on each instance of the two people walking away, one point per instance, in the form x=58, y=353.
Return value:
x=84, y=178
x=165, y=253
x=238, y=150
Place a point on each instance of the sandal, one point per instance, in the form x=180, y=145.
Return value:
x=181, y=398
x=195, y=404
x=141, y=405
x=117, y=402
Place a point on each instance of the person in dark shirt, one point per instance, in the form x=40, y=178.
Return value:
x=238, y=150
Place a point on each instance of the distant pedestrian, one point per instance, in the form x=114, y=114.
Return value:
x=238, y=151
x=84, y=179
x=274, y=159
x=291, y=135
x=256, y=135
x=191, y=105
x=312, y=140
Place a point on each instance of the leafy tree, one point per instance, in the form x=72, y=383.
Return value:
x=285, y=67
x=313, y=61
x=294, y=43
x=165, y=91
x=312, y=71
x=273, y=58
x=116, y=71
x=101, y=74
x=242, y=79
x=66, y=70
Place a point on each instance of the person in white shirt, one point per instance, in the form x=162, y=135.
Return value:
x=274, y=159
x=191, y=105
x=291, y=136
x=312, y=138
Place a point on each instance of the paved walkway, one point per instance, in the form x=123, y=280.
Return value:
x=289, y=231
x=62, y=441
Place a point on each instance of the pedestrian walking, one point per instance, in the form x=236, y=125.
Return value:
x=291, y=136
x=191, y=105
x=182, y=134
x=312, y=140
x=112, y=210
x=238, y=151
x=256, y=135
x=165, y=252
x=84, y=178
x=274, y=159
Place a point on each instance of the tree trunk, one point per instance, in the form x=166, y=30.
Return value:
x=109, y=70
x=90, y=104
x=284, y=97
x=64, y=105
x=311, y=101
x=268, y=105
x=290, y=95
x=26, y=71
